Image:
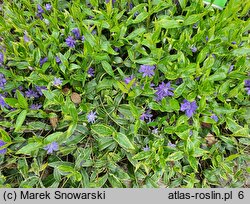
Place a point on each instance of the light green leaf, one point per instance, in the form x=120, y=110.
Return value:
x=103, y=130
x=20, y=119
x=124, y=142
x=107, y=67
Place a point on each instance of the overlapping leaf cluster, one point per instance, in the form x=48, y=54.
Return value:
x=124, y=94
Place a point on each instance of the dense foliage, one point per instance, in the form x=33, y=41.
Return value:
x=124, y=93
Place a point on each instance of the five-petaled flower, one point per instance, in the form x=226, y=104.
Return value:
x=48, y=7
x=247, y=85
x=4, y=150
x=51, y=147
x=2, y=81
x=57, y=82
x=91, y=117
x=43, y=60
x=128, y=79
x=3, y=104
x=91, y=72
x=189, y=107
x=215, y=117
x=146, y=116
x=70, y=41
x=163, y=90
x=147, y=70
x=76, y=33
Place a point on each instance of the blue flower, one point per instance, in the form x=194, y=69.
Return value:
x=128, y=79
x=147, y=70
x=2, y=102
x=171, y=145
x=57, y=82
x=163, y=90
x=146, y=149
x=91, y=72
x=1, y=58
x=91, y=117
x=43, y=60
x=2, y=81
x=51, y=147
x=31, y=94
x=70, y=42
x=76, y=33
x=48, y=7
x=35, y=106
x=2, y=151
x=40, y=88
x=214, y=117
x=146, y=116
x=58, y=60
x=189, y=107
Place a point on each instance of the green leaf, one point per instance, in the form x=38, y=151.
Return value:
x=103, y=130
x=146, y=60
x=29, y=148
x=193, y=19
x=241, y=51
x=22, y=100
x=124, y=142
x=142, y=155
x=53, y=137
x=174, y=104
x=165, y=23
x=20, y=119
x=135, y=33
x=193, y=162
x=4, y=135
x=175, y=156
x=107, y=67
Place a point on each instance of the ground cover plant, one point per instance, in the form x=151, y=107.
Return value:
x=151, y=93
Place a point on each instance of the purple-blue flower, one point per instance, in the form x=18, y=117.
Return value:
x=40, y=11
x=146, y=116
x=1, y=58
x=91, y=117
x=76, y=33
x=155, y=131
x=31, y=94
x=231, y=68
x=91, y=72
x=113, y=1
x=58, y=60
x=83, y=38
x=214, y=117
x=194, y=49
x=2, y=151
x=51, y=147
x=147, y=148
x=57, y=82
x=189, y=107
x=171, y=145
x=2, y=102
x=26, y=38
x=48, y=7
x=43, y=60
x=70, y=42
x=233, y=42
x=128, y=79
x=147, y=70
x=35, y=106
x=247, y=85
x=163, y=90
x=40, y=88
x=247, y=82
x=2, y=81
